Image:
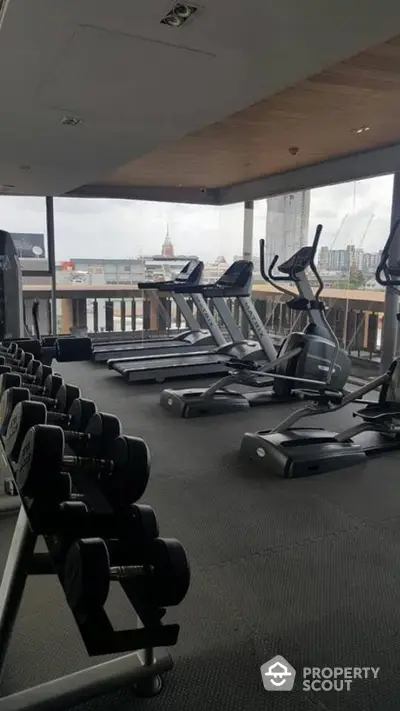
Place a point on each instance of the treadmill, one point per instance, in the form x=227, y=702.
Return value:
x=194, y=338
x=235, y=282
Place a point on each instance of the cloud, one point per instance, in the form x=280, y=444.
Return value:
x=123, y=228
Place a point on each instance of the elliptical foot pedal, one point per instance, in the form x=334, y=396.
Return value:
x=191, y=403
x=300, y=452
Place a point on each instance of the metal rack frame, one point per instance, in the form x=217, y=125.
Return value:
x=141, y=668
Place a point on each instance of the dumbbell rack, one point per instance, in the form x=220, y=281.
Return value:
x=64, y=349
x=9, y=499
x=141, y=668
x=147, y=643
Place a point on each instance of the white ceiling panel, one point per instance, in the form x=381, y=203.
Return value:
x=140, y=85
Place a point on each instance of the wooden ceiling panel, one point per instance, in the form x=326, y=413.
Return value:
x=318, y=116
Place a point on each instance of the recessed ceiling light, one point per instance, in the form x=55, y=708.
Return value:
x=179, y=14
x=71, y=121
x=361, y=129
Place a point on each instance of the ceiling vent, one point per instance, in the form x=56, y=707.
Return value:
x=179, y=14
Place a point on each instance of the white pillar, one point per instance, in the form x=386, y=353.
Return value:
x=248, y=230
x=248, y=225
x=52, y=260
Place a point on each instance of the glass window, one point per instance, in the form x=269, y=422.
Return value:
x=355, y=217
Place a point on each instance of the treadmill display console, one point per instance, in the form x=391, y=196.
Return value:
x=238, y=274
x=186, y=274
x=298, y=262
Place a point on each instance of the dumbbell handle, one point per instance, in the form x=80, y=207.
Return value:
x=104, y=465
x=35, y=388
x=127, y=572
x=45, y=399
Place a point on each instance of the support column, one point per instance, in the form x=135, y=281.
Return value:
x=123, y=315
x=390, y=326
x=95, y=316
x=109, y=315
x=79, y=311
x=248, y=225
x=51, y=256
x=67, y=318
x=133, y=314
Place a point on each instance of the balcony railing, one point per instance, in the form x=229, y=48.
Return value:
x=120, y=311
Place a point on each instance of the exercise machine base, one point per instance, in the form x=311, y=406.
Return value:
x=190, y=402
x=300, y=452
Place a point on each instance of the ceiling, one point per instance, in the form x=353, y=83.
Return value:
x=157, y=100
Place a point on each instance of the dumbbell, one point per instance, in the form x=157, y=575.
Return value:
x=137, y=524
x=122, y=472
x=28, y=413
x=32, y=382
x=30, y=367
x=88, y=573
x=29, y=345
x=11, y=348
x=34, y=374
x=37, y=372
x=18, y=359
x=11, y=394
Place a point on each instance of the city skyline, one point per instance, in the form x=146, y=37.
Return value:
x=352, y=257
x=129, y=229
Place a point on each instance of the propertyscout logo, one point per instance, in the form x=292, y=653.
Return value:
x=279, y=675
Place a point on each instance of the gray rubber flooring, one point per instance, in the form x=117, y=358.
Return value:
x=308, y=569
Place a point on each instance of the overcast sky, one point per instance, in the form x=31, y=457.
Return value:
x=122, y=228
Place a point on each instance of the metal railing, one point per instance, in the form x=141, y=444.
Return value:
x=120, y=311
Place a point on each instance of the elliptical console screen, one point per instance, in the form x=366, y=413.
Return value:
x=299, y=261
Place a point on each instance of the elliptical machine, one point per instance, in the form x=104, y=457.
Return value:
x=293, y=452
x=320, y=357
x=312, y=357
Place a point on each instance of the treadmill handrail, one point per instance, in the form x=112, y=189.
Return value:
x=149, y=285
x=211, y=290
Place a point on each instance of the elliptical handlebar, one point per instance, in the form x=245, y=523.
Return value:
x=313, y=266
x=273, y=278
x=262, y=262
x=269, y=277
x=276, y=277
x=315, y=243
x=383, y=266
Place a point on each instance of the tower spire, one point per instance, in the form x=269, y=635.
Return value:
x=167, y=250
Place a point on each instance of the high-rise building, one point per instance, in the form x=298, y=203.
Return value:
x=287, y=224
x=371, y=261
x=323, y=258
x=339, y=260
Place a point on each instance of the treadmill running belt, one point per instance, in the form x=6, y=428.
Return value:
x=160, y=369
